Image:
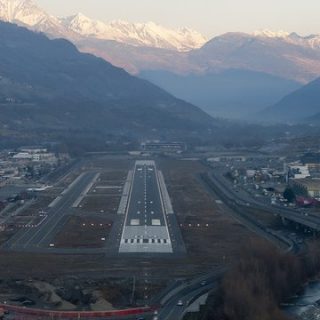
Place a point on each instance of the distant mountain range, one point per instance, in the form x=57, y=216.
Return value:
x=255, y=70
x=27, y=13
x=272, y=65
x=49, y=89
x=136, y=34
x=147, y=46
x=294, y=57
x=302, y=105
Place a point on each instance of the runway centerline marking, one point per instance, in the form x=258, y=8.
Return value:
x=155, y=222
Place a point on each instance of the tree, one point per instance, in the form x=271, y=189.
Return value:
x=300, y=190
x=289, y=195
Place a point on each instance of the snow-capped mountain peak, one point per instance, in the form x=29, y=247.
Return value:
x=138, y=34
x=271, y=34
x=312, y=41
x=83, y=25
x=25, y=11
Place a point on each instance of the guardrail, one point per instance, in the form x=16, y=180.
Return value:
x=51, y=314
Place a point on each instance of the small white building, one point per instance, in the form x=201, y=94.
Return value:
x=33, y=150
x=23, y=156
x=44, y=157
x=250, y=173
x=299, y=171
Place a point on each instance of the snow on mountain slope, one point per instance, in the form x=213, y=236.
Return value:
x=24, y=11
x=144, y=46
x=138, y=34
x=311, y=41
x=81, y=24
x=27, y=13
x=271, y=34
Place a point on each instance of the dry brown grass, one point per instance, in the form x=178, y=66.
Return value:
x=101, y=203
x=219, y=238
x=83, y=232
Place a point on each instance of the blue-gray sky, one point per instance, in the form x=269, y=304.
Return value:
x=211, y=17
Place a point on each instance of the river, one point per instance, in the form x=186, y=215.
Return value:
x=304, y=306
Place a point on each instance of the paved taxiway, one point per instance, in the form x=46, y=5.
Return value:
x=42, y=235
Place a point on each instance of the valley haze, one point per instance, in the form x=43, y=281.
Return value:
x=149, y=171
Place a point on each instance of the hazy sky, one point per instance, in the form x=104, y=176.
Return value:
x=210, y=17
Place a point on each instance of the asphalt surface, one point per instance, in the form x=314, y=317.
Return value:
x=187, y=293
x=145, y=203
x=42, y=236
x=145, y=227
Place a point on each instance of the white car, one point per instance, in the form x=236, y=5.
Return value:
x=180, y=303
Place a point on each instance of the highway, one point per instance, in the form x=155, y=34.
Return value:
x=187, y=292
x=41, y=236
x=145, y=229
x=238, y=200
x=242, y=198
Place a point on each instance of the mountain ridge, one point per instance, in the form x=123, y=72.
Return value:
x=28, y=13
x=301, y=105
x=49, y=86
x=148, y=46
x=147, y=34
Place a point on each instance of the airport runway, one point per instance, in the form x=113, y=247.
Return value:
x=42, y=236
x=145, y=228
x=145, y=223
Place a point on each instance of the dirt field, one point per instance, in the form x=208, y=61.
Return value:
x=40, y=205
x=101, y=203
x=104, y=196
x=113, y=176
x=7, y=234
x=82, y=232
x=210, y=235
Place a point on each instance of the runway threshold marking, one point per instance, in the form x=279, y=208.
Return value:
x=154, y=235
